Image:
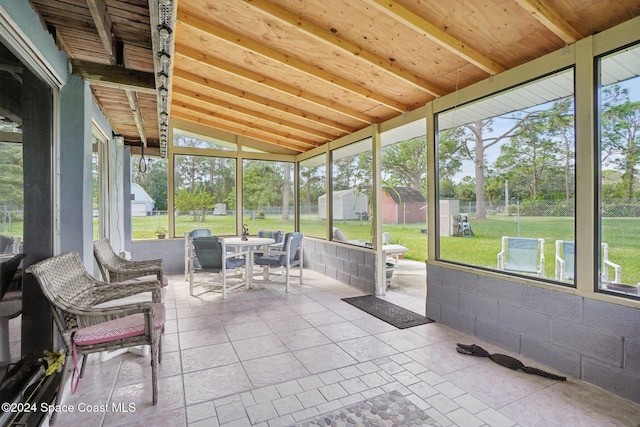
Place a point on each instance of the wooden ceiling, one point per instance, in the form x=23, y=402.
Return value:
x=296, y=74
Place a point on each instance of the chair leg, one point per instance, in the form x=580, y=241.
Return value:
x=84, y=364
x=155, y=347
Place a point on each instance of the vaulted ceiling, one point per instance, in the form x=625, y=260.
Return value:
x=295, y=74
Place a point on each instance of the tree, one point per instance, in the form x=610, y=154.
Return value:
x=262, y=184
x=620, y=138
x=11, y=176
x=153, y=180
x=193, y=201
x=405, y=164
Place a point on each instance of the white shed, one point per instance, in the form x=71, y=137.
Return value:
x=347, y=204
x=141, y=202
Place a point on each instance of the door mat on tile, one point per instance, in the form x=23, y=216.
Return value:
x=393, y=314
x=388, y=409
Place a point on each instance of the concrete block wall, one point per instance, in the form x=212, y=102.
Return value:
x=170, y=250
x=351, y=266
x=596, y=341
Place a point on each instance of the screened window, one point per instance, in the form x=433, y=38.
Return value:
x=268, y=195
x=313, y=179
x=12, y=188
x=183, y=138
x=204, y=194
x=351, y=193
x=506, y=180
x=619, y=181
x=149, y=214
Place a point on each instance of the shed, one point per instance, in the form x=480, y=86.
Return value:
x=403, y=205
x=141, y=202
x=347, y=204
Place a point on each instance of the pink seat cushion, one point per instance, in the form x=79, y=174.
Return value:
x=117, y=329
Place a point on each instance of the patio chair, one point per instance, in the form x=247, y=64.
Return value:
x=565, y=263
x=215, y=263
x=73, y=294
x=9, y=245
x=291, y=255
x=115, y=268
x=522, y=255
x=189, y=256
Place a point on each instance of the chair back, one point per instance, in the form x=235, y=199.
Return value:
x=569, y=253
x=276, y=235
x=200, y=232
x=209, y=252
x=291, y=244
x=9, y=245
x=8, y=271
x=105, y=256
x=522, y=254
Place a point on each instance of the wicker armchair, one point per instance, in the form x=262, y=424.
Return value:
x=73, y=294
x=117, y=269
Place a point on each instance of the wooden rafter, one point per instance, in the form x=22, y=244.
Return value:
x=435, y=34
x=102, y=21
x=238, y=40
x=137, y=115
x=217, y=104
x=540, y=10
x=331, y=39
x=186, y=52
x=114, y=76
x=184, y=111
x=261, y=102
x=293, y=138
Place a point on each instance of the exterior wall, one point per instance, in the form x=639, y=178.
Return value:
x=592, y=340
x=351, y=266
x=170, y=250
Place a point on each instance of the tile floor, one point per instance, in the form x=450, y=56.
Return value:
x=266, y=358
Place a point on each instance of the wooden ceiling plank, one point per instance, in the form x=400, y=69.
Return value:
x=261, y=101
x=548, y=17
x=113, y=76
x=132, y=97
x=248, y=124
x=186, y=114
x=102, y=21
x=242, y=73
x=331, y=39
x=217, y=103
x=289, y=61
x=435, y=34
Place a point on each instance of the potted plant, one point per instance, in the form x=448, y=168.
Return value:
x=161, y=232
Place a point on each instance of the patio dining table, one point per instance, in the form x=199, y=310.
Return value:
x=251, y=244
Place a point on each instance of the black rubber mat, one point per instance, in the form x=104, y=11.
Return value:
x=393, y=314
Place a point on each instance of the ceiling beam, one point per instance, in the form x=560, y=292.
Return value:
x=132, y=97
x=11, y=108
x=242, y=73
x=10, y=136
x=103, y=24
x=291, y=62
x=184, y=112
x=330, y=38
x=435, y=34
x=216, y=104
x=114, y=76
x=262, y=102
x=292, y=137
x=550, y=19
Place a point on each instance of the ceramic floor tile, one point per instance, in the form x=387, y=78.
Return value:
x=303, y=338
x=209, y=384
x=210, y=356
x=199, y=323
x=135, y=369
x=253, y=348
x=274, y=369
x=202, y=337
x=323, y=358
x=325, y=317
x=367, y=348
x=403, y=339
x=291, y=322
x=342, y=331
x=442, y=358
x=247, y=330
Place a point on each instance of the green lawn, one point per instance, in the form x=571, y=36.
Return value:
x=622, y=235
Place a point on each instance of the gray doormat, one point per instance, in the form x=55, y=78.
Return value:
x=385, y=410
x=393, y=314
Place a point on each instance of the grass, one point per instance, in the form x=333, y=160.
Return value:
x=622, y=235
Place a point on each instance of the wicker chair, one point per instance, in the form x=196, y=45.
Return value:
x=73, y=294
x=117, y=269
